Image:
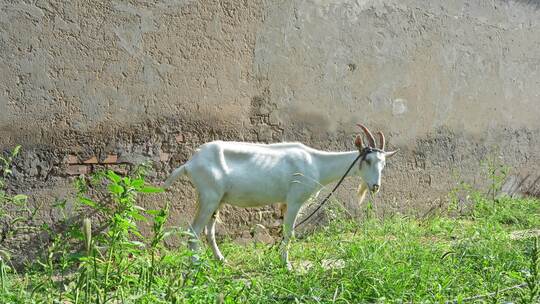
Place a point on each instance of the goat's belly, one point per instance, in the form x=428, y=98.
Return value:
x=253, y=197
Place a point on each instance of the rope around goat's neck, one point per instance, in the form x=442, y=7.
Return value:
x=361, y=155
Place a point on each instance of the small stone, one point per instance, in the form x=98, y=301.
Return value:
x=524, y=234
x=329, y=264
x=77, y=169
x=276, y=224
x=111, y=159
x=244, y=239
x=262, y=235
x=91, y=160
x=303, y=267
x=180, y=138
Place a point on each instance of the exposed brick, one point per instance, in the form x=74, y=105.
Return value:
x=77, y=169
x=110, y=159
x=91, y=160
x=180, y=138
x=120, y=169
x=164, y=156
x=72, y=159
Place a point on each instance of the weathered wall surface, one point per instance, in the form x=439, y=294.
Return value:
x=115, y=83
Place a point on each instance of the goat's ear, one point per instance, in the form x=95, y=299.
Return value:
x=358, y=142
x=391, y=153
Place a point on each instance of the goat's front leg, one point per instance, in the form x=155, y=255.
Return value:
x=288, y=230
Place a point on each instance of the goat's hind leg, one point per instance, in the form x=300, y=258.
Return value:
x=208, y=204
x=211, y=236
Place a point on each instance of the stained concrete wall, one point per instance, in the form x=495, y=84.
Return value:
x=90, y=84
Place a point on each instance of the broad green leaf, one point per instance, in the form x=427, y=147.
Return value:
x=113, y=176
x=153, y=212
x=116, y=189
x=137, y=233
x=15, y=151
x=138, y=217
x=20, y=197
x=88, y=202
x=137, y=183
x=150, y=189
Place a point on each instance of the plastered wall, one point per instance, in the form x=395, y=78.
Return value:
x=93, y=84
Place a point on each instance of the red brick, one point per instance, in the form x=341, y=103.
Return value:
x=77, y=169
x=111, y=159
x=164, y=156
x=72, y=159
x=91, y=160
x=120, y=169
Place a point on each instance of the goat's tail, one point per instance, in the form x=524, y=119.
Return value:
x=180, y=171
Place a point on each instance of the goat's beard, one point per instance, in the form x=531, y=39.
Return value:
x=362, y=190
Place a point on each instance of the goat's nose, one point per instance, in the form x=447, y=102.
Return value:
x=375, y=188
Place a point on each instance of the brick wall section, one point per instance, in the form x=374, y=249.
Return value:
x=78, y=166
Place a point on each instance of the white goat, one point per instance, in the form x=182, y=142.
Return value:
x=253, y=175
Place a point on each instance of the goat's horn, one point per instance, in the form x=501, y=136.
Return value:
x=381, y=140
x=370, y=137
x=358, y=142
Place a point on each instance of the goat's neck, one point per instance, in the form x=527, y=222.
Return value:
x=332, y=165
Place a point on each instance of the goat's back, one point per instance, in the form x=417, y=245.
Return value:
x=250, y=174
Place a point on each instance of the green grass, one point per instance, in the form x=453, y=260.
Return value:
x=392, y=260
